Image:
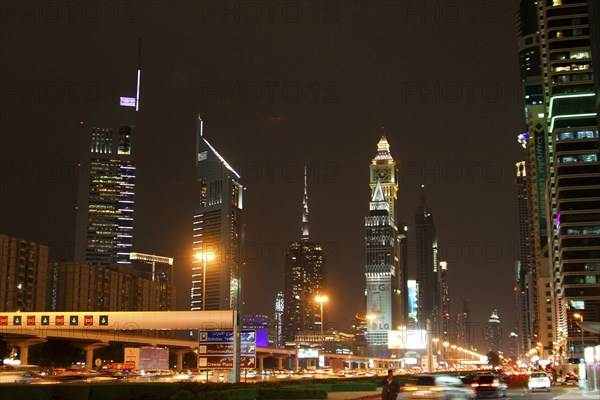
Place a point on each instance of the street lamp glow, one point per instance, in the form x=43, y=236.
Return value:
x=578, y=316
x=204, y=257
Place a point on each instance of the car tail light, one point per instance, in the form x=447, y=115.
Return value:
x=474, y=384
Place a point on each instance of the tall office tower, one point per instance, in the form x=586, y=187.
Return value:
x=218, y=230
x=384, y=281
x=427, y=267
x=445, y=299
x=573, y=154
x=464, y=329
x=532, y=180
x=525, y=264
x=278, y=320
x=23, y=274
x=105, y=203
x=305, y=278
x=493, y=332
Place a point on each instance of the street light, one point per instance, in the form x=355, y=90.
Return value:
x=580, y=318
x=321, y=300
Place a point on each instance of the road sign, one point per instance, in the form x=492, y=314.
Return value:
x=225, y=362
x=226, y=336
x=246, y=349
x=215, y=349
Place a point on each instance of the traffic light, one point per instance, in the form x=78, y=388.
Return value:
x=17, y=320
x=3, y=320
x=59, y=320
x=88, y=320
x=45, y=320
x=74, y=320
x=31, y=320
x=104, y=320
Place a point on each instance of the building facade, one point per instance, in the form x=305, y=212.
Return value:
x=567, y=119
x=386, y=252
x=217, y=231
x=23, y=274
x=428, y=269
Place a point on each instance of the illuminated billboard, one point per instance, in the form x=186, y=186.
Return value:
x=307, y=352
x=407, y=339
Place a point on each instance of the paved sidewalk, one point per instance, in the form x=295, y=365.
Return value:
x=577, y=394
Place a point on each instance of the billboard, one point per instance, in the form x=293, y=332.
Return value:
x=379, y=306
x=407, y=339
x=308, y=352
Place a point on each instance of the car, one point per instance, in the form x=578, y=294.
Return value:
x=490, y=386
x=436, y=387
x=539, y=380
x=571, y=377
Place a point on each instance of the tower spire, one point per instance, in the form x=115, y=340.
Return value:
x=305, y=211
x=139, y=76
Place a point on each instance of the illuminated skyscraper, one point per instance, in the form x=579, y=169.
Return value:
x=493, y=332
x=562, y=139
x=385, y=283
x=218, y=229
x=278, y=320
x=105, y=204
x=305, y=278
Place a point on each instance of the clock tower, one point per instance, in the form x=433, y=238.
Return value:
x=385, y=280
x=383, y=169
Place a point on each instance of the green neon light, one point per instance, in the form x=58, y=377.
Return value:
x=567, y=96
x=569, y=116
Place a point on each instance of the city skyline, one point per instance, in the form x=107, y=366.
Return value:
x=465, y=155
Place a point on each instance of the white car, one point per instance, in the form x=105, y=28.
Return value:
x=539, y=380
x=435, y=387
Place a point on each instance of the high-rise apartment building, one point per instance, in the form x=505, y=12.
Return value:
x=573, y=217
x=305, y=279
x=23, y=274
x=217, y=231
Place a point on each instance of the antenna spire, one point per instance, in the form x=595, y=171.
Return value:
x=305, y=210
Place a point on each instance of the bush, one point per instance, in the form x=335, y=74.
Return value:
x=284, y=394
x=182, y=394
x=233, y=394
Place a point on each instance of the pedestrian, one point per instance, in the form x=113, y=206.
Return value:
x=391, y=387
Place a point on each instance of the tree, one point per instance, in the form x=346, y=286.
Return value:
x=493, y=358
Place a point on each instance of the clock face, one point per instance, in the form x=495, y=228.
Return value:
x=383, y=174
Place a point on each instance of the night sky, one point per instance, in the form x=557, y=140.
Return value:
x=279, y=85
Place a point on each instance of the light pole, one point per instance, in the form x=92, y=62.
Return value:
x=321, y=300
x=580, y=318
